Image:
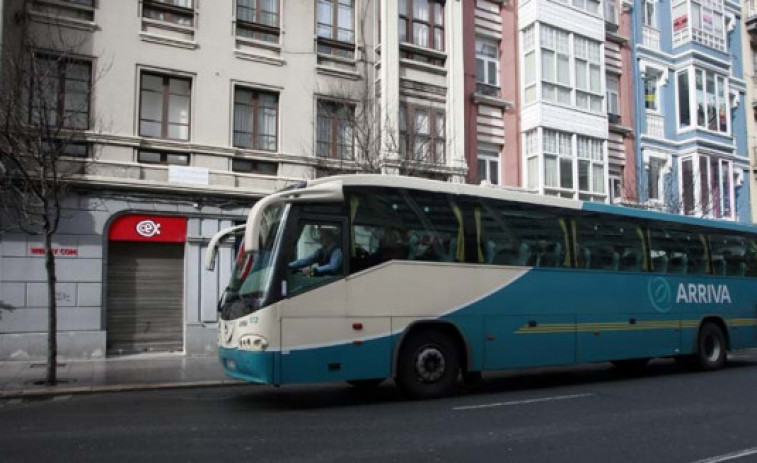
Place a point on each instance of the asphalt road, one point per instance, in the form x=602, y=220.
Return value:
x=588, y=413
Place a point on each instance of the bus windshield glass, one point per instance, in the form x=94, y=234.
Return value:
x=250, y=282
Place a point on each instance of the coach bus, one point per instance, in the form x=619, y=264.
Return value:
x=427, y=281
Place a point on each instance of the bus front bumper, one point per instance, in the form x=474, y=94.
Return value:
x=254, y=367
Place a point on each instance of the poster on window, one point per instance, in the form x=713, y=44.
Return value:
x=680, y=23
x=707, y=22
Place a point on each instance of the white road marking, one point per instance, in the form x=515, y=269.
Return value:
x=730, y=456
x=523, y=402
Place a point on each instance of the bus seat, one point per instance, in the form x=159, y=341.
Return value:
x=584, y=258
x=630, y=261
x=552, y=256
x=719, y=266
x=678, y=263
x=660, y=264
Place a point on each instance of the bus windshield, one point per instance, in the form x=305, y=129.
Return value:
x=250, y=282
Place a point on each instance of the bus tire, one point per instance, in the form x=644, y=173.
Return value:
x=428, y=365
x=711, y=347
x=631, y=367
x=365, y=383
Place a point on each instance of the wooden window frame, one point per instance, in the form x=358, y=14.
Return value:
x=173, y=12
x=333, y=118
x=256, y=107
x=410, y=20
x=62, y=63
x=166, y=97
x=256, y=27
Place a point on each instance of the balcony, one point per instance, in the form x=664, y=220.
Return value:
x=650, y=37
x=487, y=90
x=655, y=125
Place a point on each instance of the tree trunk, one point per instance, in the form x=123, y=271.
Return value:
x=52, y=325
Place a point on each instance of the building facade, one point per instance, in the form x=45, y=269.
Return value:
x=749, y=46
x=548, y=105
x=691, y=122
x=190, y=111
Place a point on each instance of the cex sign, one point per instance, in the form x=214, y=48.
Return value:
x=149, y=228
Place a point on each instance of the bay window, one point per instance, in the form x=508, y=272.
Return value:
x=558, y=159
x=591, y=169
x=701, y=21
x=656, y=169
x=707, y=186
x=709, y=97
x=529, y=64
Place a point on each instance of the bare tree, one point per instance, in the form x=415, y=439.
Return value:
x=45, y=120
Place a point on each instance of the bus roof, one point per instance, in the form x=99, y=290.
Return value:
x=416, y=183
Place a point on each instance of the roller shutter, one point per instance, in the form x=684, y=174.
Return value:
x=145, y=297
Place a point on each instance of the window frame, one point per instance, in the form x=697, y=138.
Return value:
x=490, y=158
x=411, y=20
x=172, y=12
x=61, y=63
x=164, y=158
x=165, y=108
x=333, y=43
x=332, y=116
x=255, y=113
x=258, y=29
x=487, y=61
x=703, y=195
x=409, y=133
x=612, y=94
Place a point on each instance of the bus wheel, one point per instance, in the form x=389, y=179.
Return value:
x=711, y=347
x=365, y=383
x=631, y=367
x=428, y=365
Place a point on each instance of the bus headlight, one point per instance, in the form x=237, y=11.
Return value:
x=253, y=342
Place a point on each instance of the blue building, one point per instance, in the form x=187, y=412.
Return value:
x=689, y=91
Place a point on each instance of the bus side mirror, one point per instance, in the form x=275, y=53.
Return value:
x=212, y=251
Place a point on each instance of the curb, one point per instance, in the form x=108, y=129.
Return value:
x=82, y=390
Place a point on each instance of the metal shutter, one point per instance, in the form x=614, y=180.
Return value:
x=145, y=297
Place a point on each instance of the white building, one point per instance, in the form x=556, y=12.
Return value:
x=197, y=109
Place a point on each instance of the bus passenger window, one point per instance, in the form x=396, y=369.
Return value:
x=729, y=255
x=677, y=251
x=609, y=243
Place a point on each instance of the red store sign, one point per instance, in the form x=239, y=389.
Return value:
x=149, y=228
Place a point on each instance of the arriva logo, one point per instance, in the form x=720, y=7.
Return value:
x=660, y=294
x=691, y=293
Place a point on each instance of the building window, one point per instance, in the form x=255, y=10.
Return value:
x=588, y=74
x=334, y=138
x=253, y=166
x=707, y=186
x=684, y=108
x=651, y=91
x=616, y=189
x=179, y=12
x=63, y=98
x=558, y=159
x=649, y=13
x=655, y=179
x=160, y=157
x=422, y=23
x=705, y=24
x=613, y=97
x=335, y=27
x=487, y=67
x=555, y=65
x=255, y=119
x=531, y=150
x=592, y=6
x=712, y=104
x=529, y=64
x=164, y=106
x=591, y=166
x=258, y=20
x=422, y=134
x=488, y=165
x=611, y=12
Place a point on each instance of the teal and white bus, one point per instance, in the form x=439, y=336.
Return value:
x=436, y=280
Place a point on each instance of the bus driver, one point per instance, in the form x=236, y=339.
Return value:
x=328, y=258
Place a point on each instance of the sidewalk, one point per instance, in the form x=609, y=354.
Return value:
x=137, y=372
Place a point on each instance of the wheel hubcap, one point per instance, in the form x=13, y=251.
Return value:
x=430, y=364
